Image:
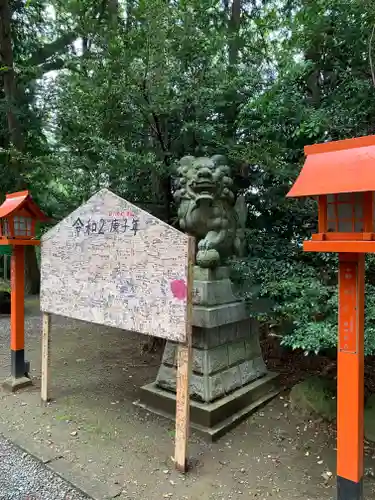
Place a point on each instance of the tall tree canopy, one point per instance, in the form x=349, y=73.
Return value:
x=112, y=92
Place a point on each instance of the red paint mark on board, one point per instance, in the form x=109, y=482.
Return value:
x=179, y=289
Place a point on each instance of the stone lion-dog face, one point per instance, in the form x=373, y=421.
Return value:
x=204, y=179
x=206, y=208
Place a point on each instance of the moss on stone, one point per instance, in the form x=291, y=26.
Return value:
x=315, y=396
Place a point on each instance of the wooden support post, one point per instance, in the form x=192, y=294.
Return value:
x=183, y=371
x=350, y=378
x=45, y=355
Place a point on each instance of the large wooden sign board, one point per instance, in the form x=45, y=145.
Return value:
x=109, y=262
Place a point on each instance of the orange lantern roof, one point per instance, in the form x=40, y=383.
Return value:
x=346, y=166
x=22, y=200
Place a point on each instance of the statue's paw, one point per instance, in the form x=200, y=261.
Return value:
x=208, y=258
x=204, y=245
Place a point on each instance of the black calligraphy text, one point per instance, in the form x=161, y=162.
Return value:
x=92, y=227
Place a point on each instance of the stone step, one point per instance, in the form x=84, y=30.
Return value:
x=213, y=420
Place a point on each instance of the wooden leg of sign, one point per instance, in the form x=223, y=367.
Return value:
x=182, y=407
x=350, y=378
x=45, y=355
x=183, y=372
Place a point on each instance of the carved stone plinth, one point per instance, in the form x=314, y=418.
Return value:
x=224, y=358
x=229, y=378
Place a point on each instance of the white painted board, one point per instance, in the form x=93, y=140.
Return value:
x=111, y=263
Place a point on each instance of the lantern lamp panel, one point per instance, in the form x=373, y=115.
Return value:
x=359, y=212
x=359, y=226
x=331, y=213
x=22, y=227
x=345, y=212
x=5, y=228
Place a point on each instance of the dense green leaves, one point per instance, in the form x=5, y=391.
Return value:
x=139, y=83
x=323, y=91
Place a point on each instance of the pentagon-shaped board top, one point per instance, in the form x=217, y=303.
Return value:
x=111, y=263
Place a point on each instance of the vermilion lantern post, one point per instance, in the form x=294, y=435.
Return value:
x=341, y=175
x=18, y=217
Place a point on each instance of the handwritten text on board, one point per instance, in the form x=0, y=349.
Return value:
x=111, y=263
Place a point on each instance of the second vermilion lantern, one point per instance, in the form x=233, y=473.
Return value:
x=18, y=216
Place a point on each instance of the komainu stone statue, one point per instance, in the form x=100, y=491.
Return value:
x=229, y=378
x=208, y=210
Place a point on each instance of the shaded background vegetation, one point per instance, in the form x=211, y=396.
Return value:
x=111, y=93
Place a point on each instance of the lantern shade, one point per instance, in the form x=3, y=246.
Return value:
x=337, y=167
x=18, y=216
x=341, y=175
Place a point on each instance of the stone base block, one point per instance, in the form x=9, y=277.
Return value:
x=213, y=293
x=224, y=359
x=214, y=316
x=209, y=386
x=12, y=384
x=213, y=420
x=203, y=274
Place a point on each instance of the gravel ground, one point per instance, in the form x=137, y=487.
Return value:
x=24, y=478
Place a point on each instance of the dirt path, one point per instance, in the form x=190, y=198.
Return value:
x=95, y=436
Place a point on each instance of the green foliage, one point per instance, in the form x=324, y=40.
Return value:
x=322, y=90
x=148, y=91
x=302, y=298
x=139, y=84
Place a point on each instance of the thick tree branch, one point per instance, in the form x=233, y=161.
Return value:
x=52, y=49
x=54, y=65
x=51, y=66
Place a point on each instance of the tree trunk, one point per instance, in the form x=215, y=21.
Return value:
x=234, y=29
x=113, y=9
x=10, y=88
x=234, y=25
x=32, y=275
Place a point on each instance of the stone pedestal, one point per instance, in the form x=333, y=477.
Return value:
x=229, y=378
x=14, y=383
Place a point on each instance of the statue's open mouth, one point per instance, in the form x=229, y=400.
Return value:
x=203, y=187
